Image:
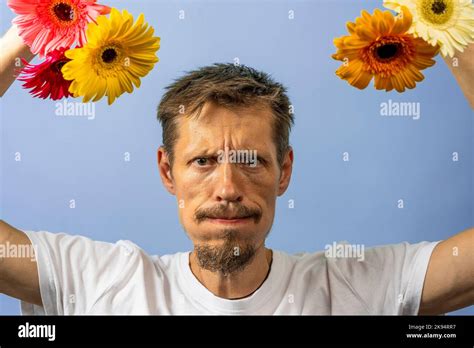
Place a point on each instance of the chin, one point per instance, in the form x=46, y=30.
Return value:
x=219, y=235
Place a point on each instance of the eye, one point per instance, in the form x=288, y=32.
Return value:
x=257, y=162
x=201, y=161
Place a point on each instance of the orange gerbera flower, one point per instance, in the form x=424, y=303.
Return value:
x=379, y=46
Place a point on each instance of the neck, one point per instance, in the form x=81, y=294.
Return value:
x=238, y=285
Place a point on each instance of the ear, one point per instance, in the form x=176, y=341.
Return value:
x=164, y=166
x=286, y=170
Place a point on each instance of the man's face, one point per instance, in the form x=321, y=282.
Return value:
x=226, y=177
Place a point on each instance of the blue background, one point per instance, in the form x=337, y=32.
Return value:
x=66, y=158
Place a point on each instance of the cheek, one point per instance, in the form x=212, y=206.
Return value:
x=191, y=191
x=263, y=185
x=192, y=186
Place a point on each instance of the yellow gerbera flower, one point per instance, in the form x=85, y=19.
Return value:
x=117, y=54
x=448, y=23
x=378, y=46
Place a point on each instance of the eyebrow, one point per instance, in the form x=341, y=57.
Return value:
x=206, y=152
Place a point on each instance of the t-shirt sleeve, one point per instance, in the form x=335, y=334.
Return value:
x=390, y=278
x=74, y=271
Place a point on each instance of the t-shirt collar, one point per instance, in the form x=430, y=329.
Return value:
x=204, y=299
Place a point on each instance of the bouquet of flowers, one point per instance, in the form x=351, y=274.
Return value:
x=393, y=49
x=89, y=50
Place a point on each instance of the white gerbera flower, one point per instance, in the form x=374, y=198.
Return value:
x=447, y=23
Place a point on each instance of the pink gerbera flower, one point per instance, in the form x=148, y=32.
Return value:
x=45, y=79
x=46, y=25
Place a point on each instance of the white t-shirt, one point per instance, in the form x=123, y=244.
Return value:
x=81, y=276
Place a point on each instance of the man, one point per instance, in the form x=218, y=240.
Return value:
x=226, y=157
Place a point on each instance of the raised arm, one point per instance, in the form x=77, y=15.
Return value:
x=449, y=281
x=18, y=270
x=462, y=67
x=12, y=49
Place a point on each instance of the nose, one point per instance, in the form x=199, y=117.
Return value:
x=228, y=185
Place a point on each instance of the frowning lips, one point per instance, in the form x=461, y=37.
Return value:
x=226, y=213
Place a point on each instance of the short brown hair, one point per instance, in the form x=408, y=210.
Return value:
x=228, y=85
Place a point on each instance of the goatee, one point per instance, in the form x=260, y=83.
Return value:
x=229, y=258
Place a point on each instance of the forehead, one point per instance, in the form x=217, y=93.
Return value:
x=217, y=126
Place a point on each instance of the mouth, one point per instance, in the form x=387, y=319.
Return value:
x=231, y=220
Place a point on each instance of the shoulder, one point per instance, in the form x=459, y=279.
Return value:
x=357, y=260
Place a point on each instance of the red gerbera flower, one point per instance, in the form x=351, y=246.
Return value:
x=46, y=25
x=45, y=79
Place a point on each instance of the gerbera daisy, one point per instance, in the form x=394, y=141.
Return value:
x=117, y=54
x=45, y=79
x=447, y=23
x=46, y=25
x=378, y=46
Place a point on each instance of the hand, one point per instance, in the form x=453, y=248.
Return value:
x=462, y=66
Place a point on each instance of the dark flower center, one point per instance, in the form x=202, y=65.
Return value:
x=109, y=55
x=387, y=51
x=56, y=67
x=64, y=12
x=438, y=7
